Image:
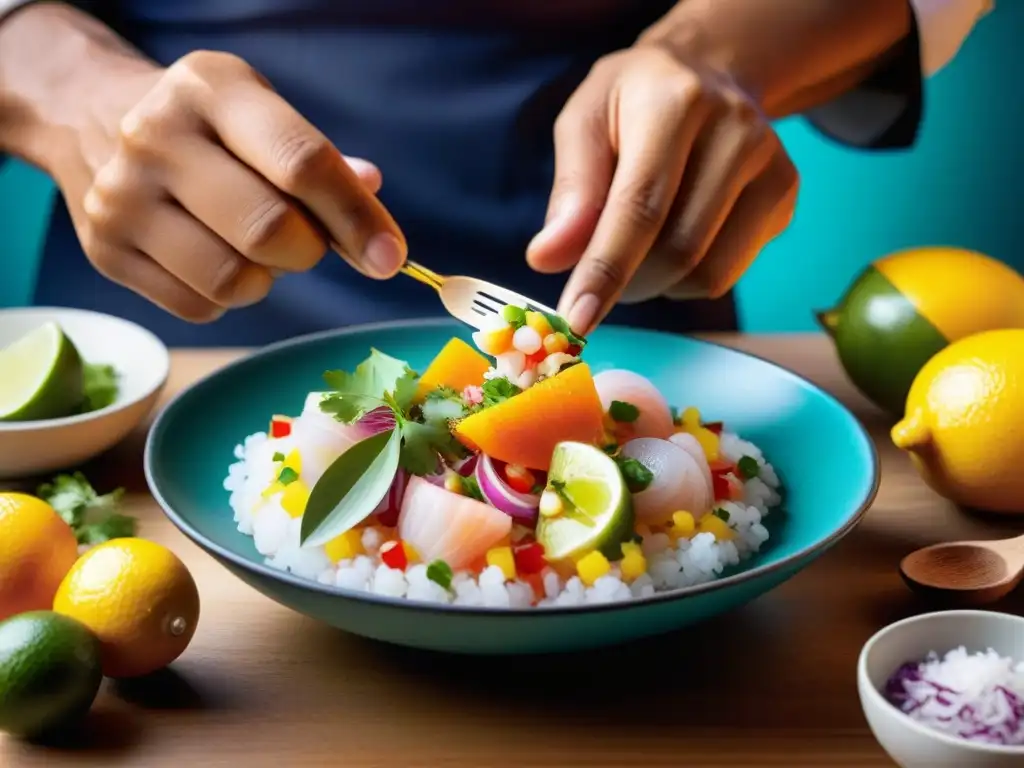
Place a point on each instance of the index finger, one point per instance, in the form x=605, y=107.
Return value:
x=268, y=134
x=653, y=147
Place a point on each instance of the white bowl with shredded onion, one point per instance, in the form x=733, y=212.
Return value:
x=947, y=689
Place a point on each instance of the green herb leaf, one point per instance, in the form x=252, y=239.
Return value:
x=287, y=476
x=623, y=412
x=559, y=324
x=278, y=456
x=365, y=388
x=748, y=467
x=440, y=573
x=443, y=393
x=638, y=477
x=351, y=488
x=91, y=516
x=498, y=390
x=100, y=386
x=721, y=514
x=472, y=488
x=422, y=444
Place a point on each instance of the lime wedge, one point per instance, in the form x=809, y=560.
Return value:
x=40, y=376
x=597, y=508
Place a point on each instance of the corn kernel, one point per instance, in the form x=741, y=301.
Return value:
x=453, y=482
x=633, y=565
x=713, y=524
x=293, y=461
x=592, y=567
x=629, y=547
x=540, y=324
x=683, y=525
x=411, y=555
x=555, y=342
x=708, y=441
x=504, y=559
x=495, y=342
x=294, y=498
x=345, y=546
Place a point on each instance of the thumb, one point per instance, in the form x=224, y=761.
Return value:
x=584, y=167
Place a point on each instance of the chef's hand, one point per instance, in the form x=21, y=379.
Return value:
x=196, y=184
x=668, y=181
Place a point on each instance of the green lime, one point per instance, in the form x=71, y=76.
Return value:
x=50, y=673
x=596, y=510
x=42, y=376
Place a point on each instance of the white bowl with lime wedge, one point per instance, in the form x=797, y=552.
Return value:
x=73, y=383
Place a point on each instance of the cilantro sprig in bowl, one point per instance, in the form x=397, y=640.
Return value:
x=74, y=383
x=422, y=494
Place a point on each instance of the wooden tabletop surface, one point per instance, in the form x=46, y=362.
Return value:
x=771, y=684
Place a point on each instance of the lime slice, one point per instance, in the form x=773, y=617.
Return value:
x=41, y=376
x=597, y=508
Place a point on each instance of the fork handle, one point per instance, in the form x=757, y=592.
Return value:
x=422, y=274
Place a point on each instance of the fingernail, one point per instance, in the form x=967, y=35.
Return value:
x=383, y=255
x=583, y=313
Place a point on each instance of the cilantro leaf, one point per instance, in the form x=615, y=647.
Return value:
x=748, y=467
x=100, y=385
x=558, y=324
x=93, y=517
x=440, y=573
x=721, y=514
x=443, y=393
x=365, y=388
x=422, y=444
x=638, y=477
x=498, y=390
x=623, y=412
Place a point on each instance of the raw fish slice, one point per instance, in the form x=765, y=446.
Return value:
x=655, y=419
x=320, y=438
x=692, y=446
x=678, y=484
x=441, y=525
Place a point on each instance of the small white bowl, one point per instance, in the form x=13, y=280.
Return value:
x=910, y=743
x=30, y=448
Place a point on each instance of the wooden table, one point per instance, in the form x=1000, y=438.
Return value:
x=771, y=684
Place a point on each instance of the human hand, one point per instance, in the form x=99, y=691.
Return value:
x=195, y=185
x=668, y=181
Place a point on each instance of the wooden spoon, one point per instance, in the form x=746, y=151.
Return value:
x=969, y=572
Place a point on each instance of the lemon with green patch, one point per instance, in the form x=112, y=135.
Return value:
x=908, y=306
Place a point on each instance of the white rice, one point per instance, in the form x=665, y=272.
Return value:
x=687, y=563
x=978, y=697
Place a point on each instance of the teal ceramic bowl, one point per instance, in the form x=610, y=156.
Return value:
x=826, y=461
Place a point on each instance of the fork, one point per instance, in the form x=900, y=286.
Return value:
x=468, y=299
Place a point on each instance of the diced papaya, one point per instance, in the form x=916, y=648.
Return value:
x=524, y=429
x=457, y=365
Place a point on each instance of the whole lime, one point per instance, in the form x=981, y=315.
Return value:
x=908, y=306
x=50, y=673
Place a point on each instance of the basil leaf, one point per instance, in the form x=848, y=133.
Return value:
x=351, y=488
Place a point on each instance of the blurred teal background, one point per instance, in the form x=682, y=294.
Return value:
x=963, y=184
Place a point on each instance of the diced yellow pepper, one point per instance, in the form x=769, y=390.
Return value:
x=633, y=564
x=708, y=440
x=294, y=498
x=346, y=546
x=495, y=342
x=504, y=559
x=411, y=555
x=293, y=461
x=274, y=487
x=592, y=567
x=713, y=524
x=683, y=525
x=540, y=324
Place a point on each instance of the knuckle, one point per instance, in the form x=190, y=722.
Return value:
x=605, y=270
x=225, y=271
x=102, y=216
x=644, y=203
x=300, y=158
x=206, y=64
x=265, y=226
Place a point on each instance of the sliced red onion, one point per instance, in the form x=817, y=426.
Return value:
x=378, y=420
x=466, y=466
x=389, y=507
x=519, y=506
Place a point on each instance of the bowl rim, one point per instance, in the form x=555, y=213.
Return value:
x=263, y=570
x=878, y=700
x=40, y=425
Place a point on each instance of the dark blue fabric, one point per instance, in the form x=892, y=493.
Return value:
x=453, y=100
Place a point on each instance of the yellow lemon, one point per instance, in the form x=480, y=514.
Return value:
x=138, y=598
x=964, y=422
x=37, y=549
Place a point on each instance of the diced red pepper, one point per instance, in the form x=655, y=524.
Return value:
x=536, y=358
x=529, y=558
x=392, y=554
x=723, y=489
x=280, y=426
x=519, y=479
x=714, y=426
x=574, y=350
x=721, y=466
